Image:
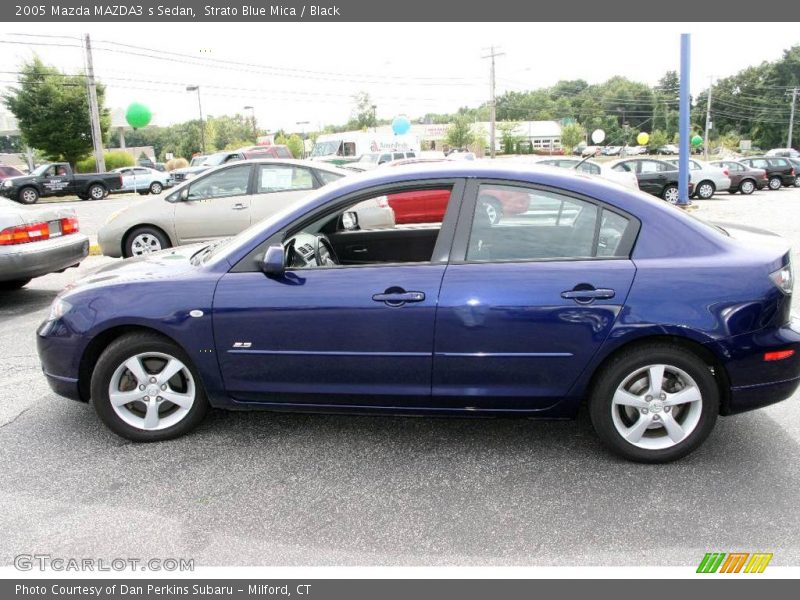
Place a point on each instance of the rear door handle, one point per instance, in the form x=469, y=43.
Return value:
x=398, y=298
x=589, y=295
x=239, y=206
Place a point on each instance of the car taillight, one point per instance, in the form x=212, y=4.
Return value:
x=778, y=355
x=792, y=171
x=783, y=278
x=69, y=225
x=726, y=172
x=22, y=234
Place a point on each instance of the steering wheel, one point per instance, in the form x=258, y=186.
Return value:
x=324, y=253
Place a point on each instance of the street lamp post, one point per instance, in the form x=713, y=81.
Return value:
x=374, y=118
x=302, y=125
x=196, y=88
x=253, y=117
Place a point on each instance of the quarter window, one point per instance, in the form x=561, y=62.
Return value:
x=283, y=178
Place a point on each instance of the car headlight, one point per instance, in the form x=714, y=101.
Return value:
x=8, y=183
x=58, y=309
x=783, y=278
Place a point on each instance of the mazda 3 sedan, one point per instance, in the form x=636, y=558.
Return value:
x=596, y=296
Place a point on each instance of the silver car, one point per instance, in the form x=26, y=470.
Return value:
x=35, y=241
x=222, y=202
x=708, y=178
x=143, y=180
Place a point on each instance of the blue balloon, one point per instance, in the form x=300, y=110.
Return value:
x=401, y=125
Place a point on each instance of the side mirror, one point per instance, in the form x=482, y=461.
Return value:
x=185, y=193
x=350, y=220
x=273, y=262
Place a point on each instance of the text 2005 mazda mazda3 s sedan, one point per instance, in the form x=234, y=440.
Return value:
x=596, y=293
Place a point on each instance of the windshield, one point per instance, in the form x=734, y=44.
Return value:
x=326, y=148
x=38, y=171
x=214, y=160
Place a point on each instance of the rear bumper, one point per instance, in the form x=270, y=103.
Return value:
x=755, y=382
x=40, y=258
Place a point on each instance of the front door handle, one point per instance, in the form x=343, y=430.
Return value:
x=398, y=297
x=239, y=206
x=585, y=296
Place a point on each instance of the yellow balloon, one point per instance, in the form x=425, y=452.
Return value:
x=643, y=138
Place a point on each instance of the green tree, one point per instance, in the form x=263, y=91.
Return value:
x=459, y=134
x=572, y=134
x=508, y=138
x=294, y=142
x=52, y=109
x=658, y=138
x=363, y=113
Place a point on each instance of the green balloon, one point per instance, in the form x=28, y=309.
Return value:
x=697, y=140
x=138, y=115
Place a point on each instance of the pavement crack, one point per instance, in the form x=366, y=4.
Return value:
x=17, y=416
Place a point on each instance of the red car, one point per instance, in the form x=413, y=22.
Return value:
x=7, y=171
x=428, y=206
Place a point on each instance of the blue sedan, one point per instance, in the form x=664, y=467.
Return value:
x=596, y=296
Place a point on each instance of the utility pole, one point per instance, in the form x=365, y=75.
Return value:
x=97, y=132
x=791, y=118
x=708, y=117
x=492, y=104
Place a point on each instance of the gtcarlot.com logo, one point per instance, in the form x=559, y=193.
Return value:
x=44, y=562
x=734, y=562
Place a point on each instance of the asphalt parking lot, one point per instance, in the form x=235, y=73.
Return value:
x=283, y=489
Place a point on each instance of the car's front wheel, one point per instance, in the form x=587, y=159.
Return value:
x=705, y=190
x=156, y=187
x=145, y=389
x=145, y=240
x=654, y=403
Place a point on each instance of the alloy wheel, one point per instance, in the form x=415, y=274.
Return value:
x=97, y=192
x=671, y=195
x=656, y=407
x=145, y=243
x=152, y=391
x=748, y=187
x=705, y=191
x=155, y=188
x=775, y=183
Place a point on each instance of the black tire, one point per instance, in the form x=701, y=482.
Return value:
x=117, y=353
x=156, y=188
x=96, y=191
x=143, y=193
x=28, y=195
x=14, y=284
x=775, y=183
x=670, y=192
x=705, y=190
x=615, y=372
x=127, y=246
x=747, y=187
x=493, y=208
x=83, y=196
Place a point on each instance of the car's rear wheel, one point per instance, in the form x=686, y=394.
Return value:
x=705, y=190
x=145, y=389
x=145, y=240
x=28, y=195
x=156, y=188
x=670, y=194
x=747, y=187
x=775, y=183
x=96, y=191
x=654, y=403
x=493, y=209
x=14, y=284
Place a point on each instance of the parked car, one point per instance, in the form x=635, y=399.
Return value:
x=35, y=241
x=785, y=152
x=221, y=203
x=635, y=150
x=796, y=164
x=143, y=180
x=372, y=160
x=597, y=295
x=656, y=177
x=744, y=179
x=780, y=172
x=591, y=151
x=429, y=206
x=707, y=178
x=668, y=149
x=7, y=171
x=57, y=179
x=611, y=150
x=625, y=178
x=204, y=163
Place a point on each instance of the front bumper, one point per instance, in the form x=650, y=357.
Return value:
x=109, y=238
x=753, y=381
x=34, y=259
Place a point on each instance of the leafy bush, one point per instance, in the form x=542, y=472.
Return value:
x=114, y=160
x=177, y=163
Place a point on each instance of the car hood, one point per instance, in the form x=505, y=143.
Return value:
x=159, y=265
x=195, y=169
